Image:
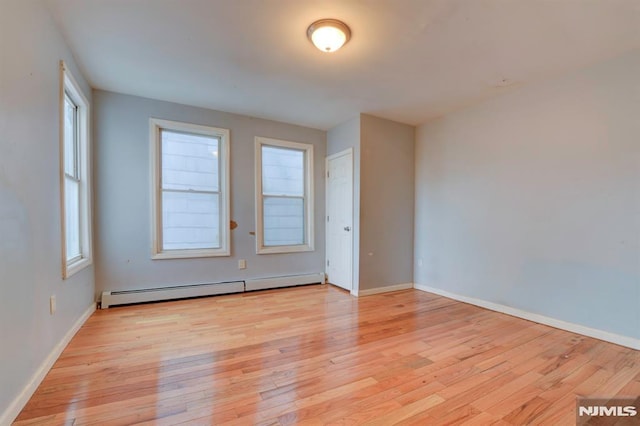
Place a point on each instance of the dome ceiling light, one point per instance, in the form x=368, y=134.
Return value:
x=328, y=35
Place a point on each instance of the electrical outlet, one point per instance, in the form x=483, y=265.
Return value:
x=242, y=264
x=52, y=304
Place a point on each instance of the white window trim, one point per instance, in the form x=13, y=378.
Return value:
x=309, y=197
x=69, y=85
x=155, y=125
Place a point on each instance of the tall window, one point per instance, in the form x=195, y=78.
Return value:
x=74, y=182
x=284, y=196
x=191, y=193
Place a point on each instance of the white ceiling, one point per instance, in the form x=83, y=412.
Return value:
x=408, y=60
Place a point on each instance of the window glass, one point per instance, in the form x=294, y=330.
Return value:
x=282, y=171
x=190, y=162
x=283, y=221
x=72, y=218
x=190, y=220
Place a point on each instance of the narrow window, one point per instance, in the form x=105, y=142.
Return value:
x=75, y=172
x=191, y=197
x=284, y=213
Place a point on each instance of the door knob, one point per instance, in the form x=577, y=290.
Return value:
x=347, y=228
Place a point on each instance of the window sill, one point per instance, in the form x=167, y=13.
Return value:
x=284, y=249
x=75, y=267
x=189, y=254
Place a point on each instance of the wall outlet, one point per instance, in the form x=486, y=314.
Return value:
x=242, y=264
x=52, y=304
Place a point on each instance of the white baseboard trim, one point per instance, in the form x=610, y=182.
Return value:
x=387, y=289
x=626, y=341
x=12, y=411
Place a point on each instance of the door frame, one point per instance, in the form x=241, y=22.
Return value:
x=349, y=152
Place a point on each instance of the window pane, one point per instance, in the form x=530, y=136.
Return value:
x=190, y=220
x=189, y=161
x=72, y=217
x=282, y=171
x=70, y=148
x=283, y=221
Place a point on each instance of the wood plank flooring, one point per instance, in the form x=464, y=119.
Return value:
x=316, y=355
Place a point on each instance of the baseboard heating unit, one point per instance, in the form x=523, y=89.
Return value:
x=110, y=298
x=125, y=297
x=288, y=281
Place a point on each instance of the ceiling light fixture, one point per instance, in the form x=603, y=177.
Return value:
x=328, y=35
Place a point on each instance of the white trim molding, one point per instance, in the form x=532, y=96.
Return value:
x=12, y=411
x=618, y=339
x=156, y=126
x=386, y=289
x=69, y=88
x=308, y=197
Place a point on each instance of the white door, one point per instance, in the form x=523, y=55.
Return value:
x=339, y=244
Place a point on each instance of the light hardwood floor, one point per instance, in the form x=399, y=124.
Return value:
x=316, y=355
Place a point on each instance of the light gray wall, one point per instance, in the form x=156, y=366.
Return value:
x=340, y=138
x=386, y=202
x=30, y=234
x=122, y=190
x=344, y=136
x=532, y=200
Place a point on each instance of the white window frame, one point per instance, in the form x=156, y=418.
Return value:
x=70, y=87
x=308, y=196
x=156, y=126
